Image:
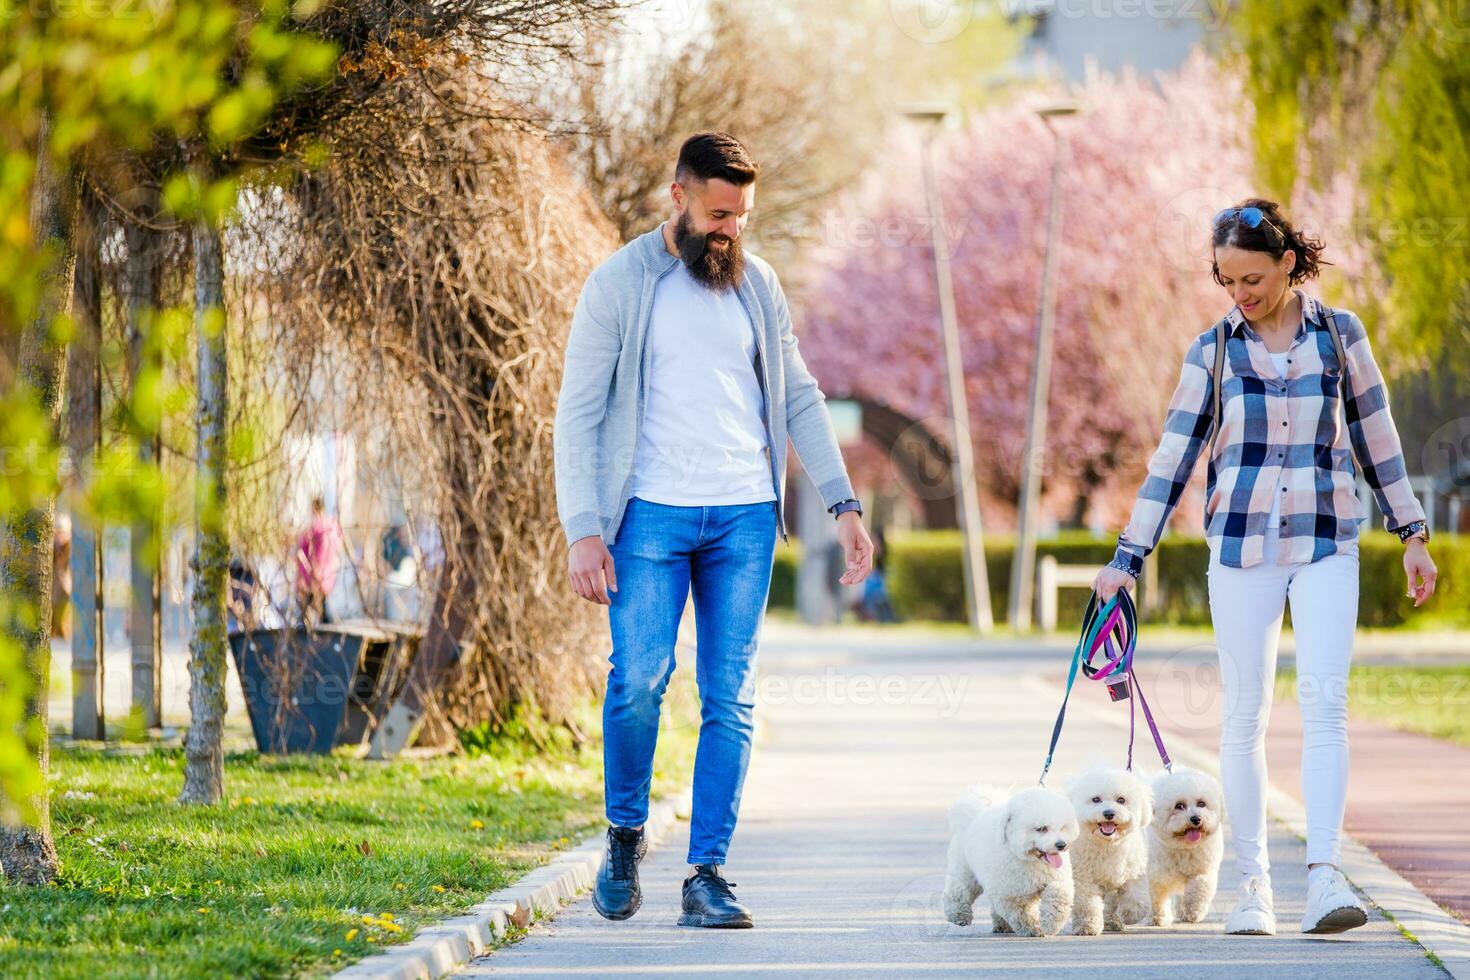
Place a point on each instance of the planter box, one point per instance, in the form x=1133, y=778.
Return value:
x=312, y=690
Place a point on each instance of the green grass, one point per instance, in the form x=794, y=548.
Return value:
x=306, y=852
x=1433, y=701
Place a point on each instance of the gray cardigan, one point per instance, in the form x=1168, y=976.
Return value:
x=600, y=408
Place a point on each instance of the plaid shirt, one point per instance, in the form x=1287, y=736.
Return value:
x=1280, y=436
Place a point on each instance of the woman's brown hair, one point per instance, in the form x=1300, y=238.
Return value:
x=1274, y=236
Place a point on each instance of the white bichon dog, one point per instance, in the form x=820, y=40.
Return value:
x=1013, y=850
x=1186, y=845
x=1110, y=857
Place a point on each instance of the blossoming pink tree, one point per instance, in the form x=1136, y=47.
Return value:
x=1149, y=163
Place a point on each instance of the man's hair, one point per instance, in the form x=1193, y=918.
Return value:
x=708, y=155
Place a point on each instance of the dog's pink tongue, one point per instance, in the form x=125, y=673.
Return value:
x=1192, y=835
x=1055, y=860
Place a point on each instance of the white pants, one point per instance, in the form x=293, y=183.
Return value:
x=1246, y=607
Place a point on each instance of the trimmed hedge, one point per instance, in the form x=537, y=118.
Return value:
x=926, y=577
x=783, y=576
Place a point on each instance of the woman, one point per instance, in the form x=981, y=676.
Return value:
x=1281, y=518
x=316, y=563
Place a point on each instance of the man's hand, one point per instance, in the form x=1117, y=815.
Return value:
x=590, y=567
x=856, y=545
x=1419, y=567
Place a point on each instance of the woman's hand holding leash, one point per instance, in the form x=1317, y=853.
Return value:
x=1109, y=580
x=1421, y=571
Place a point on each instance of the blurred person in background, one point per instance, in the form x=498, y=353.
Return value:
x=318, y=556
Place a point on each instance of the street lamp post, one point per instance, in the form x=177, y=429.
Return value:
x=1024, y=563
x=977, y=583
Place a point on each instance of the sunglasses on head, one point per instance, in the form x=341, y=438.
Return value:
x=1250, y=217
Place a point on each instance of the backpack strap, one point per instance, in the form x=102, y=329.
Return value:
x=1331, y=318
x=1329, y=315
x=1215, y=377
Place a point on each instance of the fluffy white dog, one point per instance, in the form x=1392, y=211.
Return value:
x=1110, y=857
x=1186, y=845
x=1013, y=849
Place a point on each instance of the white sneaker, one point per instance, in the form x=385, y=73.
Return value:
x=1332, y=906
x=1254, y=914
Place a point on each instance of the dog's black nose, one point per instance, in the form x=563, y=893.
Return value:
x=1061, y=845
x=1108, y=814
x=1194, y=819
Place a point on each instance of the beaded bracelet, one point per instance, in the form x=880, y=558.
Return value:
x=1409, y=530
x=1123, y=566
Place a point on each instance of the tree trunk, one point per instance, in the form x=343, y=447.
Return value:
x=203, y=745
x=26, y=850
x=84, y=426
x=145, y=620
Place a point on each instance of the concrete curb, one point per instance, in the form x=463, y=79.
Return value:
x=1411, y=910
x=443, y=947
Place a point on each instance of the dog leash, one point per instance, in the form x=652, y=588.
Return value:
x=1115, y=621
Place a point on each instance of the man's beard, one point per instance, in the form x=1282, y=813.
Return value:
x=716, y=268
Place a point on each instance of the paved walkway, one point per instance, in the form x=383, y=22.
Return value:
x=840, y=851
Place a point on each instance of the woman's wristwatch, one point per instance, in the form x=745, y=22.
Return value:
x=1418, y=529
x=842, y=507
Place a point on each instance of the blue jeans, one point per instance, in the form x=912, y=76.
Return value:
x=724, y=552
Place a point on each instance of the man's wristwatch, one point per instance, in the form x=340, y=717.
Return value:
x=842, y=507
x=1418, y=529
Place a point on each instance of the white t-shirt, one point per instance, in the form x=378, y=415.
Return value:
x=703, y=439
x=1273, y=519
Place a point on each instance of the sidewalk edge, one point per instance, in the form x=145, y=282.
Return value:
x=1431, y=927
x=440, y=948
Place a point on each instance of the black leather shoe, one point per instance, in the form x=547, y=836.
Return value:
x=709, y=902
x=616, y=894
